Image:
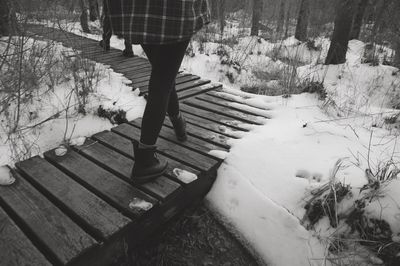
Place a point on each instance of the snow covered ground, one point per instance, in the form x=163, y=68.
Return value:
x=58, y=107
x=269, y=175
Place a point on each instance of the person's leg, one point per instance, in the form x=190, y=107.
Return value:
x=165, y=61
x=107, y=31
x=128, y=52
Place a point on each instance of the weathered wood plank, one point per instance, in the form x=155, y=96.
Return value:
x=129, y=62
x=190, y=92
x=179, y=86
x=234, y=106
x=214, y=117
x=98, y=54
x=59, y=235
x=101, y=182
x=16, y=248
x=212, y=126
x=161, y=188
x=236, y=99
x=193, y=159
x=180, y=78
x=188, y=85
x=202, y=133
x=131, y=74
x=192, y=143
x=125, y=147
x=133, y=69
x=239, y=116
x=88, y=209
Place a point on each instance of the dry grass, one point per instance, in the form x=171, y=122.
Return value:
x=194, y=238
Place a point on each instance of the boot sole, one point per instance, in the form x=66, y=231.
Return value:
x=148, y=178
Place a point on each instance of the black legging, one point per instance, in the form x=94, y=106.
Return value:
x=162, y=97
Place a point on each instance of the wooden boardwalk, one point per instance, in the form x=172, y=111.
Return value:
x=80, y=209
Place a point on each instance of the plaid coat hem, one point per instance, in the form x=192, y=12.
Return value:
x=157, y=21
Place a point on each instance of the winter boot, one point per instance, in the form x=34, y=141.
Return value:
x=147, y=166
x=179, y=124
x=105, y=45
x=128, y=52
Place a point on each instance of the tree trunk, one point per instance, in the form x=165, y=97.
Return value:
x=221, y=15
x=214, y=9
x=257, y=10
x=5, y=23
x=281, y=18
x=358, y=19
x=93, y=10
x=84, y=17
x=287, y=21
x=379, y=18
x=397, y=54
x=341, y=33
x=303, y=20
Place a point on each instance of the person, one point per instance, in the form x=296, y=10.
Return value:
x=107, y=33
x=163, y=28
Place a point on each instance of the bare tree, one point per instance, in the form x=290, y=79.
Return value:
x=358, y=19
x=303, y=20
x=341, y=33
x=257, y=10
x=5, y=23
x=214, y=9
x=84, y=17
x=287, y=21
x=94, y=10
x=379, y=16
x=221, y=15
x=281, y=17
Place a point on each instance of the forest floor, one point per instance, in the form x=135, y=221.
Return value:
x=318, y=183
x=195, y=237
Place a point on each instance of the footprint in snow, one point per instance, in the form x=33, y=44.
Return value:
x=233, y=204
x=317, y=177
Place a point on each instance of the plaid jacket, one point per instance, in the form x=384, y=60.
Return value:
x=157, y=21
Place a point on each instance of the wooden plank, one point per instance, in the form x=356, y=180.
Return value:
x=126, y=70
x=114, y=61
x=211, y=125
x=146, y=78
x=181, y=86
x=101, y=53
x=190, y=92
x=161, y=188
x=129, y=62
x=125, y=147
x=236, y=99
x=132, y=69
x=59, y=235
x=214, y=117
x=16, y=248
x=137, y=73
x=87, y=209
x=180, y=78
x=106, y=185
x=191, y=84
x=169, y=149
x=237, y=107
x=193, y=143
x=240, y=116
x=196, y=131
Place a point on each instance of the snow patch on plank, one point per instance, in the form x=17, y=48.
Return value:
x=6, y=177
x=184, y=176
x=139, y=204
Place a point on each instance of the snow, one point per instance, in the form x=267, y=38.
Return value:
x=58, y=106
x=265, y=179
x=6, y=177
x=184, y=176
